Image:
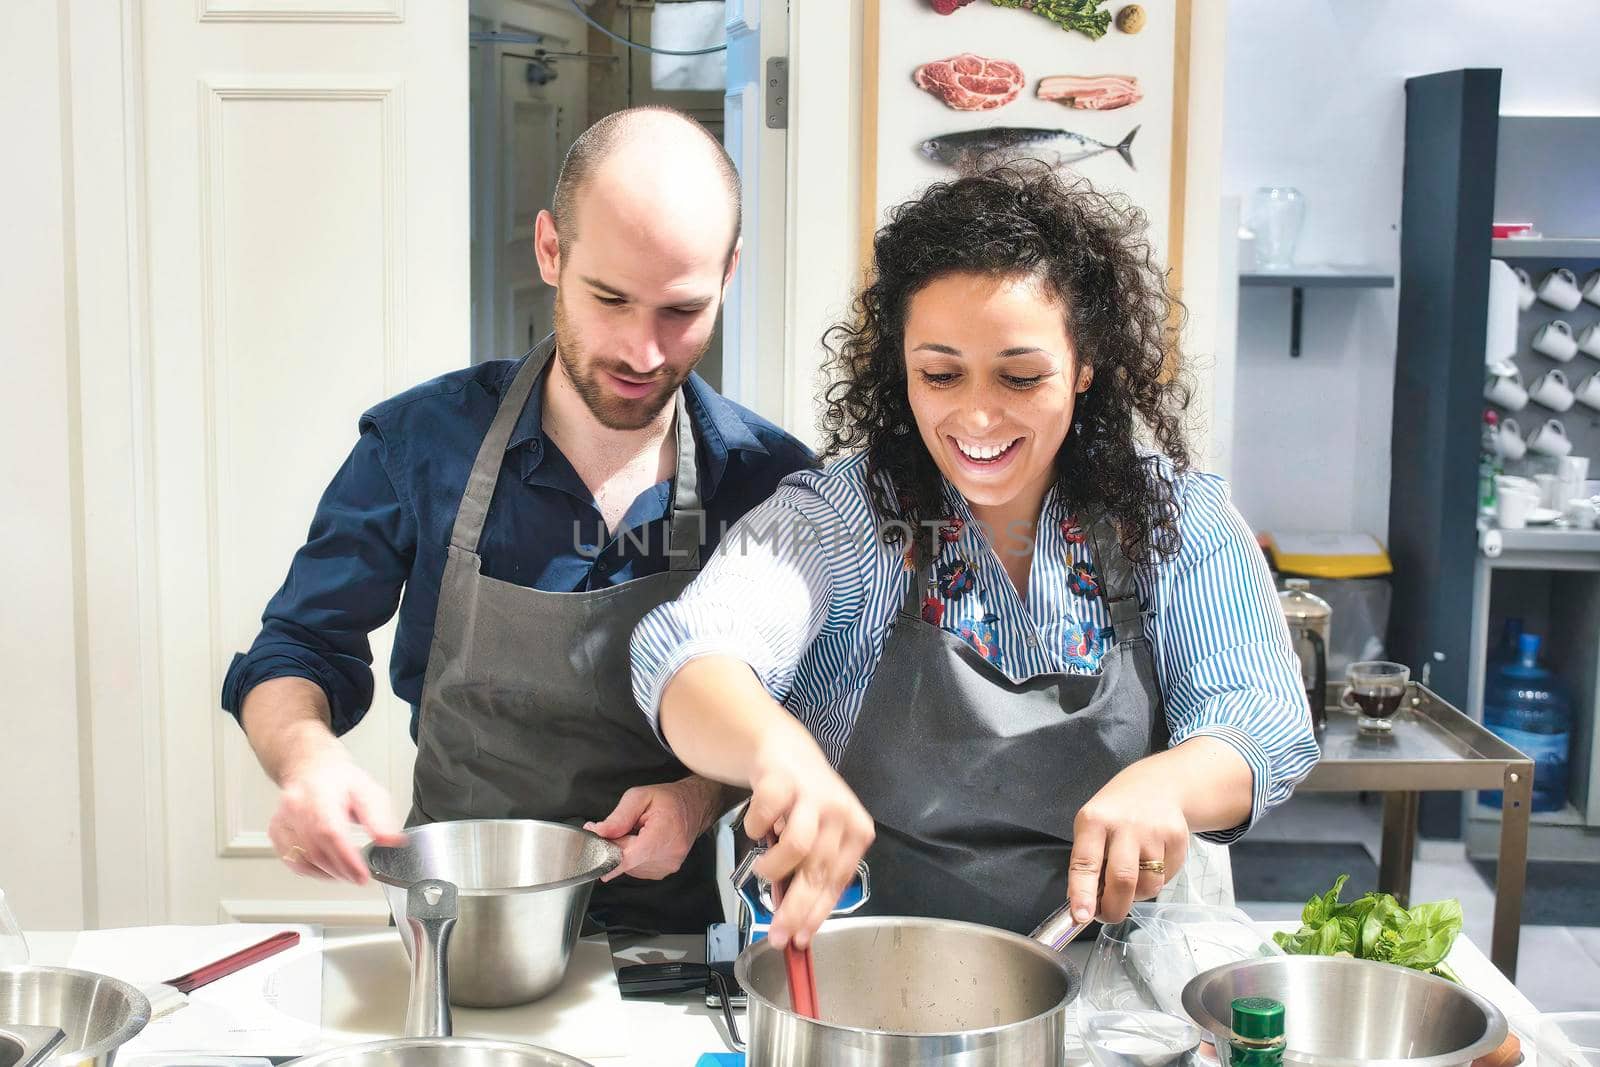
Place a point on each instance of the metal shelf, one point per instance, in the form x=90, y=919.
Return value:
x=1299, y=279
x=1546, y=247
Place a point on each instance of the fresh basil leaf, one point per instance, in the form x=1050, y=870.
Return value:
x=1319, y=910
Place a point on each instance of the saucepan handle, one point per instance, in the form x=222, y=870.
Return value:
x=1058, y=929
x=431, y=914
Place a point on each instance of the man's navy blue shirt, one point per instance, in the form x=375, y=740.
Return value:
x=381, y=530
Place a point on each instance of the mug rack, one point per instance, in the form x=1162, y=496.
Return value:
x=1538, y=257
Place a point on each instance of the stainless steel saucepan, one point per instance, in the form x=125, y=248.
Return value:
x=917, y=991
x=430, y=915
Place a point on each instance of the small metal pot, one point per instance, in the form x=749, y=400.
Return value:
x=916, y=991
x=1343, y=1012
x=428, y=917
x=523, y=887
x=98, y=1014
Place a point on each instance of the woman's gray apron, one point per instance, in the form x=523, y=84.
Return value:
x=974, y=780
x=527, y=706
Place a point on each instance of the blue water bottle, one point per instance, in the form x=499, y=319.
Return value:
x=1528, y=707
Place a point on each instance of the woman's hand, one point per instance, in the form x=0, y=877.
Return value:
x=1136, y=818
x=1144, y=816
x=823, y=831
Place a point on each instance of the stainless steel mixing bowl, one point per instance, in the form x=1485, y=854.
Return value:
x=523, y=888
x=98, y=1014
x=1343, y=1012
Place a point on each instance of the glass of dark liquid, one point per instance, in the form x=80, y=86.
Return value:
x=1375, y=690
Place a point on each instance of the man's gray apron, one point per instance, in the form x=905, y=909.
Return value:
x=527, y=707
x=974, y=780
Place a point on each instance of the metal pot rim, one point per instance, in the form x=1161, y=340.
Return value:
x=609, y=864
x=397, y=1044
x=137, y=1021
x=742, y=965
x=1495, y=1025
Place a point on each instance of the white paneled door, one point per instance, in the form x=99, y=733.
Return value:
x=306, y=227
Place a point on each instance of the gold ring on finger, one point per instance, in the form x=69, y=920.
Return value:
x=1154, y=866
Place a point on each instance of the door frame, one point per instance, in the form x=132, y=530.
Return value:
x=124, y=803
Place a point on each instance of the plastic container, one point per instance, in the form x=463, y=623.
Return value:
x=1529, y=708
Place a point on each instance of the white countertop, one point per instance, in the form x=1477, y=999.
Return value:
x=364, y=997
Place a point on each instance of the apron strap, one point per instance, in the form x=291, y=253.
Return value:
x=1117, y=586
x=914, y=585
x=686, y=532
x=474, y=507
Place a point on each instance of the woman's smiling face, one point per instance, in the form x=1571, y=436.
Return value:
x=992, y=378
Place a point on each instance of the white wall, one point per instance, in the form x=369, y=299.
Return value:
x=1315, y=99
x=40, y=809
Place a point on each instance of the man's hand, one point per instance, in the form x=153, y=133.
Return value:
x=656, y=825
x=321, y=799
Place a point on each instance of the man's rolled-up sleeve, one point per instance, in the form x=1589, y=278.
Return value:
x=343, y=583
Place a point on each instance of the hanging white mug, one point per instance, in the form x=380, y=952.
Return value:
x=1551, y=390
x=1504, y=387
x=1591, y=287
x=1525, y=294
x=1550, y=439
x=1589, y=340
x=1588, y=391
x=1560, y=289
x=1555, y=340
x=1508, y=442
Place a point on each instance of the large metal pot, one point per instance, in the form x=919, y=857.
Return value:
x=1343, y=1012
x=98, y=1014
x=523, y=889
x=915, y=991
x=428, y=917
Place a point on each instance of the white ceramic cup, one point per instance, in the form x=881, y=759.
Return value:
x=1573, y=468
x=1508, y=440
x=1555, y=340
x=1548, y=486
x=1559, y=288
x=1550, y=439
x=1591, y=287
x=1551, y=390
x=1511, y=509
x=1589, y=340
x=1587, y=392
x=1582, y=513
x=1504, y=387
x=1525, y=294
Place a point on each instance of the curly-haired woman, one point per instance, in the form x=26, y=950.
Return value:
x=1039, y=652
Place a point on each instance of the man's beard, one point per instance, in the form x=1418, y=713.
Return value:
x=585, y=373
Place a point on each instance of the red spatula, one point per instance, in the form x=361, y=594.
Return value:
x=797, y=963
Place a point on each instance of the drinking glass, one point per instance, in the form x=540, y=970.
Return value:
x=1569, y=1039
x=1375, y=689
x=1130, y=1012
x=1276, y=215
x=13, y=947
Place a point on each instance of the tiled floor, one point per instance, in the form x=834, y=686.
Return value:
x=1558, y=967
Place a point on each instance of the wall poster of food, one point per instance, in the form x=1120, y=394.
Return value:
x=1095, y=86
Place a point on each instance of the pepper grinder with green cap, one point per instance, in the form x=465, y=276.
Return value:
x=1257, y=1039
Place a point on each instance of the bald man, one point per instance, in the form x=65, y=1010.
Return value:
x=524, y=515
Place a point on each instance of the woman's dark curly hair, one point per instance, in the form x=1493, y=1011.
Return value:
x=1091, y=253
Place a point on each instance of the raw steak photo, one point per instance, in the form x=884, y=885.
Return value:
x=971, y=83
